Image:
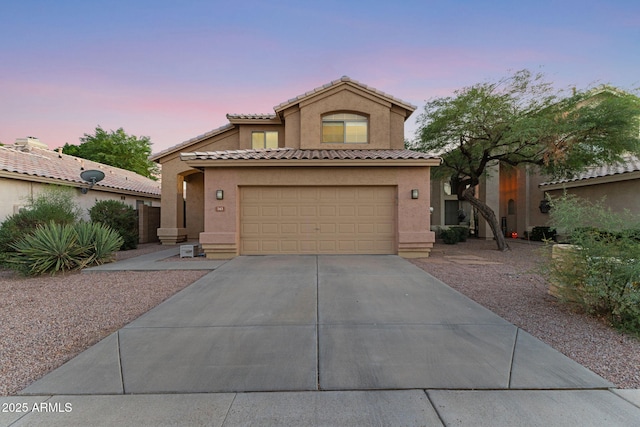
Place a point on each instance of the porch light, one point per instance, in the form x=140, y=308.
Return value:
x=414, y=193
x=544, y=206
x=219, y=194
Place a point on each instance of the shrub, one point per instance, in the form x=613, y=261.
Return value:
x=120, y=217
x=602, y=273
x=539, y=234
x=49, y=249
x=54, y=248
x=54, y=204
x=462, y=232
x=449, y=236
x=100, y=240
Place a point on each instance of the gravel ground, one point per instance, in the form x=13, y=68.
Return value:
x=509, y=286
x=46, y=321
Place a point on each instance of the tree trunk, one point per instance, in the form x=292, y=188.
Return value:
x=488, y=214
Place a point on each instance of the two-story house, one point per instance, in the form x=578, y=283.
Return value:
x=327, y=173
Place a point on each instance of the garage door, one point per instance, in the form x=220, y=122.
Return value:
x=317, y=220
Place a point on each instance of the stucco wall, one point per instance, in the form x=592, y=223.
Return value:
x=15, y=193
x=174, y=170
x=619, y=195
x=345, y=99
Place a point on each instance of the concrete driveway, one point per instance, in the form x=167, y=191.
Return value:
x=363, y=327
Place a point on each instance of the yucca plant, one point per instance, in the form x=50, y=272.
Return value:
x=106, y=241
x=50, y=248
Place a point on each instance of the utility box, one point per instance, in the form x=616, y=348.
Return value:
x=189, y=251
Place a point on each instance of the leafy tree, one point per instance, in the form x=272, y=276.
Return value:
x=116, y=148
x=522, y=119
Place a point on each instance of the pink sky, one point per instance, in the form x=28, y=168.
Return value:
x=172, y=71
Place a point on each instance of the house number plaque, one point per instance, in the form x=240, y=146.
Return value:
x=219, y=208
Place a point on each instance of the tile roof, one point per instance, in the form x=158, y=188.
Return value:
x=629, y=165
x=192, y=141
x=342, y=80
x=296, y=154
x=252, y=116
x=44, y=163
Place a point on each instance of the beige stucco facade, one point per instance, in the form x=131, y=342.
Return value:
x=225, y=160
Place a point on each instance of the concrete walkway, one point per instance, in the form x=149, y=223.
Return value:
x=321, y=340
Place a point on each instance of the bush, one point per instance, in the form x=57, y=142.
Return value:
x=449, y=236
x=602, y=273
x=120, y=217
x=54, y=248
x=100, y=240
x=54, y=204
x=462, y=232
x=539, y=234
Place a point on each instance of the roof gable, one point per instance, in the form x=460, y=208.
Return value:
x=345, y=80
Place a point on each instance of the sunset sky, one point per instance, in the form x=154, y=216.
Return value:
x=172, y=70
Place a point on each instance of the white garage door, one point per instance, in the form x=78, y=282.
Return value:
x=317, y=220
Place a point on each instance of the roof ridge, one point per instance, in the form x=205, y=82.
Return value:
x=343, y=79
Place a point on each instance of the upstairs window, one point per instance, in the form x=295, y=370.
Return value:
x=264, y=139
x=345, y=128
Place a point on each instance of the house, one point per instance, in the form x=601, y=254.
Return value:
x=518, y=195
x=326, y=173
x=28, y=167
x=619, y=184
x=512, y=192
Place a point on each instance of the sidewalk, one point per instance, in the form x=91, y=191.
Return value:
x=320, y=340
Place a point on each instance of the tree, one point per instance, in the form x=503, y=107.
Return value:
x=522, y=119
x=116, y=148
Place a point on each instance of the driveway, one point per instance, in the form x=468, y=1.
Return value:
x=293, y=323
x=324, y=340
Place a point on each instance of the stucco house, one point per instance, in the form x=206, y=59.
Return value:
x=618, y=184
x=518, y=196
x=28, y=167
x=326, y=173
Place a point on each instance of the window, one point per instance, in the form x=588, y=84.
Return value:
x=345, y=128
x=264, y=139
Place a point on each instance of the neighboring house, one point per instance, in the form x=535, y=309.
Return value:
x=326, y=174
x=28, y=167
x=512, y=193
x=619, y=184
x=518, y=196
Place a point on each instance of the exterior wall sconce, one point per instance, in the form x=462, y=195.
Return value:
x=219, y=194
x=414, y=193
x=545, y=206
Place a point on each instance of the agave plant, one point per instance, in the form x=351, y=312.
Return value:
x=50, y=248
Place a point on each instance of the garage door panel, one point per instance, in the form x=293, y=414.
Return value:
x=366, y=210
x=308, y=246
x=309, y=211
x=331, y=211
x=289, y=211
x=346, y=228
x=289, y=246
x=291, y=228
x=327, y=246
x=342, y=220
x=270, y=228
